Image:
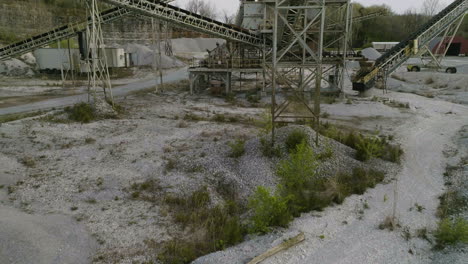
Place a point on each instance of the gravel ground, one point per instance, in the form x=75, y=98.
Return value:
x=84, y=172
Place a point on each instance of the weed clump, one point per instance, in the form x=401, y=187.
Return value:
x=451, y=232
x=219, y=118
x=299, y=180
x=366, y=147
x=216, y=227
x=81, y=112
x=369, y=147
x=268, y=210
x=295, y=138
x=268, y=150
x=451, y=203
x=357, y=182
x=28, y=161
x=148, y=190
x=301, y=189
x=237, y=148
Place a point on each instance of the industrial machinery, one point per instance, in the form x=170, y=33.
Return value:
x=298, y=46
x=414, y=45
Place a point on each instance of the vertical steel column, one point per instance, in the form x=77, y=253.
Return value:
x=298, y=45
x=98, y=71
x=318, y=75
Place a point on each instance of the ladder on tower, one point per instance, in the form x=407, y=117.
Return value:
x=411, y=46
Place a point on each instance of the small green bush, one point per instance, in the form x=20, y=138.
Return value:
x=392, y=153
x=192, y=117
x=216, y=227
x=268, y=150
x=298, y=178
x=359, y=181
x=265, y=123
x=295, y=138
x=452, y=232
x=327, y=153
x=81, y=112
x=369, y=147
x=268, y=210
x=451, y=203
x=219, y=118
x=237, y=148
x=300, y=168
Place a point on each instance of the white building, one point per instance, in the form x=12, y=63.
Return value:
x=383, y=46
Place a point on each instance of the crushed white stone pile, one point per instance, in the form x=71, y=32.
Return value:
x=254, y=169
x=371, y=53
x=15, y=67
x=144, y=56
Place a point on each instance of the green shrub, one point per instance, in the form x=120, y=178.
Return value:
x=219, y=118
x=81, y=112
x=192, y=117
x=392, y=153
x=213, y=228
x=268, y=150
x=237, y=148
x=265, y=123
x=178, y=251
x=298, y=178
x=452, y=232
x=268, y=210
x=295, y=138
x=359, y=181
x=230, y=98
x=326, y=153
x=369, y=147
x=451, y=203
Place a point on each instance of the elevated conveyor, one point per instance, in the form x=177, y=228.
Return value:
x=63, y=32
x=396, y=56
x=185, y=19
x=152, y=8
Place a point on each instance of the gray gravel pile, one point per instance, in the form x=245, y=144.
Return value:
x=371, y=53
x=254, y=169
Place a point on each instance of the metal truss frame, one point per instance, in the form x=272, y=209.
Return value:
x=96, y=61
x=298, y=66
x=182, y=18
x=417, y=42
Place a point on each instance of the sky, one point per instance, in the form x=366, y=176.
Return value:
x=398, y=6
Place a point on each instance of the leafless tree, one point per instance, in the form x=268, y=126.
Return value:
x=431, y=7
x=201, y=7
x=411, y=20
x=227, y=18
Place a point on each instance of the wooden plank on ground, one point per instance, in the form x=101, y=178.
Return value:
x=275, y=250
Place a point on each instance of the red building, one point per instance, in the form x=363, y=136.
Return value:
x=458, y=47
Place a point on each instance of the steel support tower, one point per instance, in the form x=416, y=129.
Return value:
x=309, y=49
x=96, y=61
